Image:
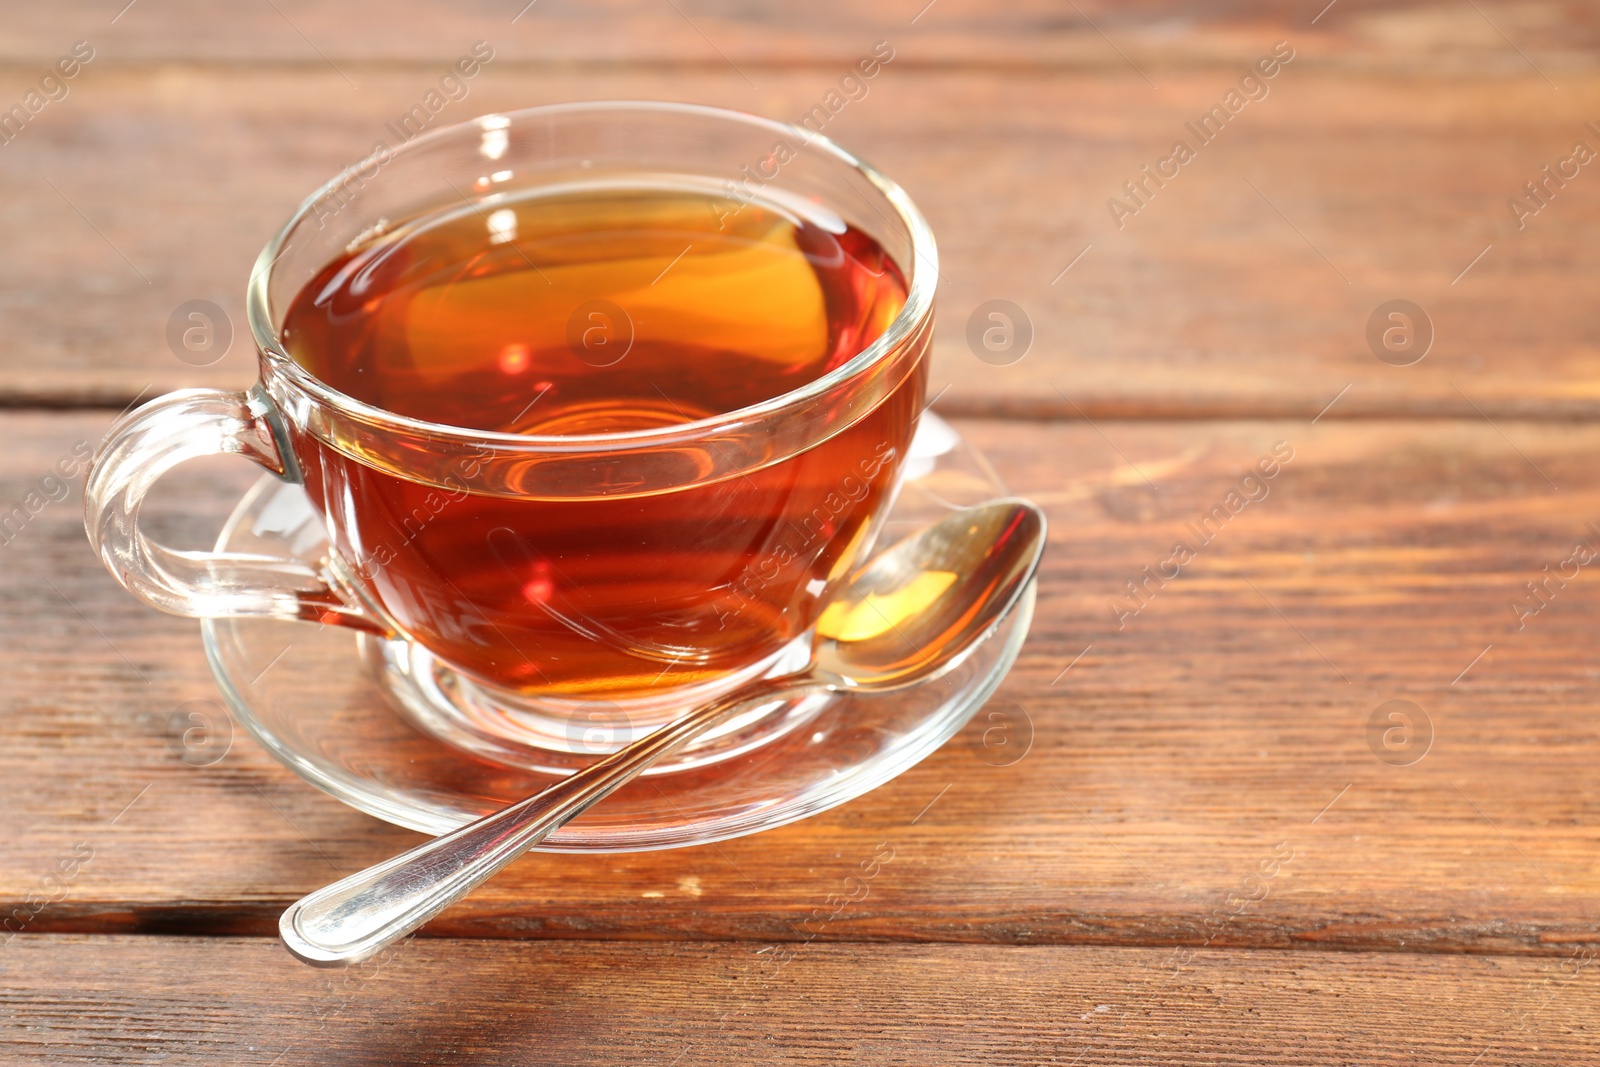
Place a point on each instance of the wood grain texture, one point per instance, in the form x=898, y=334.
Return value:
x=1143, y=849
x=1220, y=733
x=1243, y=288
x=208, y=1001
x=1562, y=34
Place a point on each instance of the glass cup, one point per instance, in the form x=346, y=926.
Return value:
x=820, y=463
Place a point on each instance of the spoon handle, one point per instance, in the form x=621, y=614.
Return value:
x=359, y=916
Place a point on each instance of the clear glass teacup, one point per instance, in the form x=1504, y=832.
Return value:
x=646, y=554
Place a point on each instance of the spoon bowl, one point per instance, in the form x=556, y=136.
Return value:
x=918, y=609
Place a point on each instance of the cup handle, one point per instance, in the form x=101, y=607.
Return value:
x=150, y=441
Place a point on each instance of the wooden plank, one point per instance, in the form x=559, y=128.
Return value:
x=721, y=32
x=1244, y=288
x=207, y=1001
x=1221, y=733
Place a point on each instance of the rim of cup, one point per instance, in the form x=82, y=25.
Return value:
x=924, y=272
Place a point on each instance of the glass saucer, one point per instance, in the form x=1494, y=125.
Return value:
x=313, y=698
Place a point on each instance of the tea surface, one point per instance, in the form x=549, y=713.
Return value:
x=587, y=313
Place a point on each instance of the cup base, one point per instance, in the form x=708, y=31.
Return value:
x=558, y=735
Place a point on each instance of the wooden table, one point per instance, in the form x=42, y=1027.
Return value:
x=1208, y=854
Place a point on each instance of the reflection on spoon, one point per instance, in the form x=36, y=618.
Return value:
x=876, y=614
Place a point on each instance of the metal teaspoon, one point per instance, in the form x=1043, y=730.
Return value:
x=910, y=614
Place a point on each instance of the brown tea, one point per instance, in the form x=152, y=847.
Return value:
x=603, y=311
